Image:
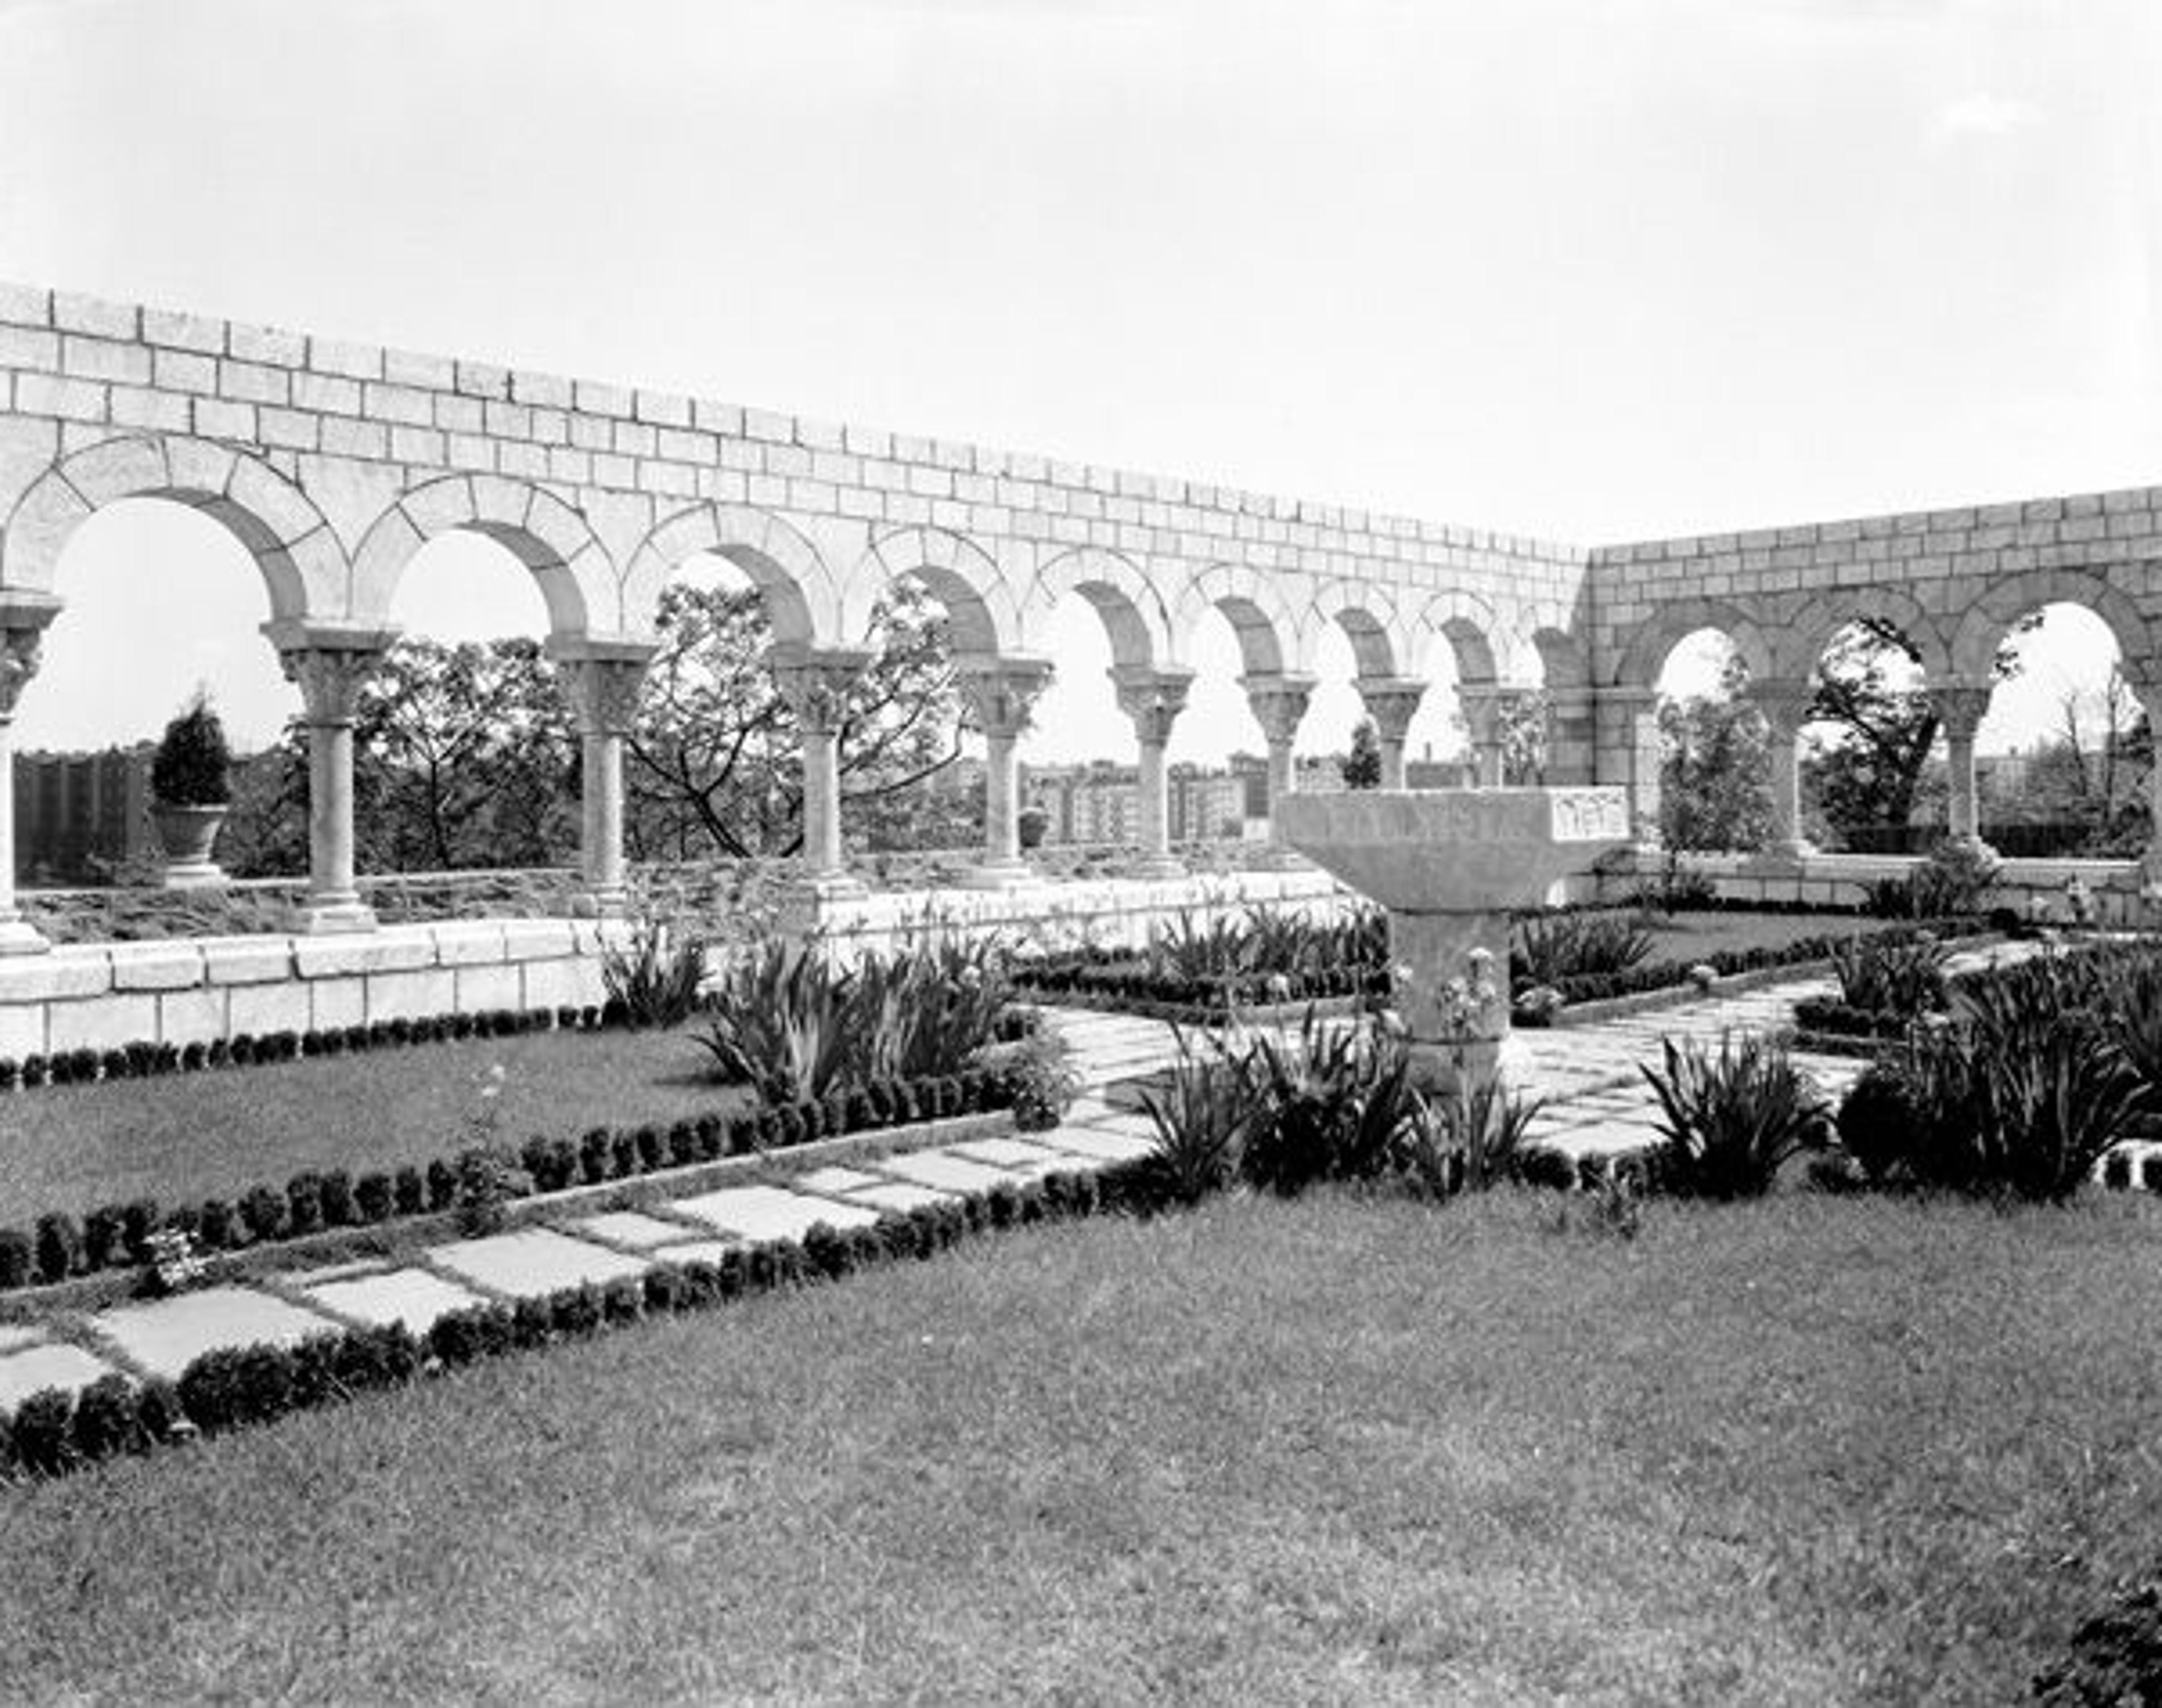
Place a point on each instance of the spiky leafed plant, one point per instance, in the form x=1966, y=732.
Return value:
x=1733, y=1120
x=781, y=1023
x=1200, y=1117
x=656, y=976
x=1890, y=977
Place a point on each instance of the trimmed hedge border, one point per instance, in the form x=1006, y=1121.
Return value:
x=59, y=1248
x=143, y=1060
x=1117, y=983
x=53, y=1433
x=1662, y=975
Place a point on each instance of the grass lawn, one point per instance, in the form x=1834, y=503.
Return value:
x=184, y=1137
x=1813, y=1450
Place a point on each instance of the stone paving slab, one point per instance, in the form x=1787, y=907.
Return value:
x=414, y=1297
x=346, y=1271
x=946, y=1173
x=763, y=1213
x=632, y=1228
x=834, y=1182
x=1003, y=1153
x=23, y=1373
x=899, y=1197
x=1097, y=1145
x=165, y=1336
x=533, y=1263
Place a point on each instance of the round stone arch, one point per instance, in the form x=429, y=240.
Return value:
x=1645, y=647
x=1120, y=592
x=576, y=576
x=2003, y=602
x=1272, y=640
x=793, y=582
x=1369, y=620
x=1812, y=627
x=303, y=566
x=1483, y=650
x=962, y=576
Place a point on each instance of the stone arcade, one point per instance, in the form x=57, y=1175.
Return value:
x=333, y=463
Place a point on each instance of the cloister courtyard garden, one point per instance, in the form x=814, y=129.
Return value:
x=663, y=1155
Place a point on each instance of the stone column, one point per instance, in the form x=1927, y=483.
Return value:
x=601, y=679
x=816, y=682
x=1391, y=702
x=331, y=667
x=1153, y=696
x=1961, y=707
x=24, y=617
x=1487, y=706
x=1279, y=704
x=1628, y=752
x=1785, y=706
x=2150, y=864
x=1003, y=693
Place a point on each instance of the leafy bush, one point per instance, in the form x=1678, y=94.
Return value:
x=655, y=981
x=2114, y=1659
x=1876, y=1121
x=1953, y=879
x=2023, y=1092
x=1886, y=975
x=193, y=764
x=1731, y=1119
x=1473, y=1139
x=1040, y=1080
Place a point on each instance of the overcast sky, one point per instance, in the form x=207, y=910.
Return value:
x=1587, y=269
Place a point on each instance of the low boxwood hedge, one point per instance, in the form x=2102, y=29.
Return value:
x=52, y=1433
x=117, y=1236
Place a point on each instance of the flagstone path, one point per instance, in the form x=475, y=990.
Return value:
x=1594, y=1098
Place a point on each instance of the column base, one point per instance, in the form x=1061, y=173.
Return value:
x=1156, y=867
x=18, y=937
x=1280, y=857
x=332, y=915
x=824, y=886
x=193, y=875
x=1001, y=875
x=601, y=903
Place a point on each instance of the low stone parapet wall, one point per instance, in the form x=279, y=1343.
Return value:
x=194, y=989
x=2033, y=889
x=1108, y=913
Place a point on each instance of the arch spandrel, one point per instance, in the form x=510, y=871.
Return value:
x=569, y=564
x=303, y=567
x=1370, y=619
x=1810, y=629
x=1477, y=640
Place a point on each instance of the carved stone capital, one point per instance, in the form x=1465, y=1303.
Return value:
x=1152, y=699
x=602, y=692
x=330, y=679
x=1391, y=702
x=816, y=683
x=1279, y=704
x=24, y=617
x=1003, y=692
x=1959, y=707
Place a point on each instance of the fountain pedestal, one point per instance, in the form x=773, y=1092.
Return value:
x=1450, y=865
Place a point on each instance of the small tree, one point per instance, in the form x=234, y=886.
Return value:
x=1362, y=765
x=193, y=762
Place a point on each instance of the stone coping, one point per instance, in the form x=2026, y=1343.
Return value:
x=72, y=970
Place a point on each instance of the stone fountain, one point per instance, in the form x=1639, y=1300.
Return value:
x=1449, y=865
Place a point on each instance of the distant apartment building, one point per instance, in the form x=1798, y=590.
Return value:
x=81, y=817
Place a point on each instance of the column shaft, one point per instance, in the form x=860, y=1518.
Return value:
x=1153, y=697
x=1785, y=708
x=1002, y=694
x=24, y=617
x=1391, y=702
x=1961, y=707
x=601, y=678
x=330, y=669
x=817, y=682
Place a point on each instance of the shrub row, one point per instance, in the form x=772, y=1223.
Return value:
x=117, y=1236
x=1660, y=975
x=1132, y=986
x=141, y=1060
x=52, y=1432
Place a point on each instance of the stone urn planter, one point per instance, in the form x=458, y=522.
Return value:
x=190, y=790
x=1450, y=864
x=187, y=835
